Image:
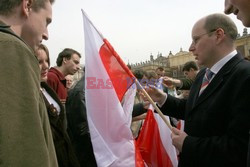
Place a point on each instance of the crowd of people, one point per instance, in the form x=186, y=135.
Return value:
x=43, y=118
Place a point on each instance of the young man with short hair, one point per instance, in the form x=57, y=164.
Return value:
x=190, y=70
x=68, y=63
x=25, y=138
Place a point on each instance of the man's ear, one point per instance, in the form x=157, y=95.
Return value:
x=220, y=35
x=65, y=60
x=26, y=6
x=191, y=69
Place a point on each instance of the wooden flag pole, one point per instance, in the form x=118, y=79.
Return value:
x=154, y=105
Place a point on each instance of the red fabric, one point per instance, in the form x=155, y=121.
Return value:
x=179, y=125
x=57, y=82
x=109, y=120
x=120, y=75
x=138, y=158
x=121, y=78
x=150, y=145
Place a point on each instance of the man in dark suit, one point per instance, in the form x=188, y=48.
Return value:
x=217, y=113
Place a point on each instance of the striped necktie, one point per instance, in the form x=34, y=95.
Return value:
x=206, y=80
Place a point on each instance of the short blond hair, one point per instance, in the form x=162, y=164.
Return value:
x=7, y=6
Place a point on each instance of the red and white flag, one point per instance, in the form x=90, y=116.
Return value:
x=109, y=101
x=155, y=143
x=181, y=125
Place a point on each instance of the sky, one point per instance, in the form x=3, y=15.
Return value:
x=135, y=28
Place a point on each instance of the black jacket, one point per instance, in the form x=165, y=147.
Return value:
x=186, y=84
x=248, y=156
x=64, y=151
x=78, y=125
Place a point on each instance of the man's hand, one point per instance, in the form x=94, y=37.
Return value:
x=167, y=81
x=171, y=81
x=178, y=138
x=155, y=93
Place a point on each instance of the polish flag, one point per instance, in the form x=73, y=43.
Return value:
x=155, y=142
x=109, y=102
x=180, y=125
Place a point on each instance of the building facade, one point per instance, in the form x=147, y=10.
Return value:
x=243, y=44
x=173, y=63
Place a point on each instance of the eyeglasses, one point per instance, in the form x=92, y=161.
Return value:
x=198, y=37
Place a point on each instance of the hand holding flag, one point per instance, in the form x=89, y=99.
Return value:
x=178, y=137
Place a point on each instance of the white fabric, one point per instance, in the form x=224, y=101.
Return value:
x=182, y=124
x=51, y=100
x=109, y=121
x=165, y=134
x=217, y=66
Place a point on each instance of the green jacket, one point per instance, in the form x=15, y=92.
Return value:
x=25, y=135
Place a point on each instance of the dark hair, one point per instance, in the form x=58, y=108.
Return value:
x=190, y=64
x=43, y=47
x=66, y=53
x=159, y=68
x=247, y=58
x=7, y=6
x=151, y=75
x=139, y=74
x=217, y=20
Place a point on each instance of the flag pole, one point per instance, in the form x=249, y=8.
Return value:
x=85, y=14
x=154, y=105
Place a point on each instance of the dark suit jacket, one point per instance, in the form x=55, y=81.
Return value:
x=218, y=121
x=248, y=156
x=78, y=125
